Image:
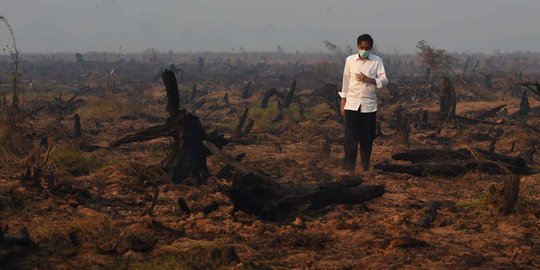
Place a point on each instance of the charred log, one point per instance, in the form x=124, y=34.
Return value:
x=257, y=194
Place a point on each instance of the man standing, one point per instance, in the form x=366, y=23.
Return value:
x=363, y=74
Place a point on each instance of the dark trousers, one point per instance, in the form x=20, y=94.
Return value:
x=359, y=128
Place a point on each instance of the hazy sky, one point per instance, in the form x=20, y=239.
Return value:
x=219, y=25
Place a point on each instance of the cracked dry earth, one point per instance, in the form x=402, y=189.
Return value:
x=102, y=220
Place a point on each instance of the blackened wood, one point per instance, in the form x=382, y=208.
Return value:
x=173, y=95
x=267, y=96
x=150, y=133
x=248, y=128
x=430, y=215
x=290, y=95
x=187, y=155
x=448, y=98
x=510, y=194
x=226, y=171
x=183, y=206
x=245, y=93
x=238, y=130
x=226, y=99
x=327, y=146
x=301, y=111
x=402, y=127
x=424, y=169
x=524, y=106
x=279, y=116
x=534, y=87
x=490, y=112
x=77, y=126
x=193, y=93
x=199, y=103
x=23, y=240
x=269, y=200
x=425, y=119
x=257, y=194
x=237, y=165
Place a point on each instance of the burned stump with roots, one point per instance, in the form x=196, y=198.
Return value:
x=187, y=155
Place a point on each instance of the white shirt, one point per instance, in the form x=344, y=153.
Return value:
x=361, y=95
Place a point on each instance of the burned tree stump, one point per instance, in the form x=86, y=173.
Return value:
x=77, y=126
x=267, y=96
x=245, y=93
x=226, y=99
x=187, y=155
x=238, y=130
x=510, y=194
x=448, y=98
x=257, y=194
x=301, y=111
x=524, y=106
x=402, y=127
x=279, y=116
x=248, y=128
x=289, y=97
x=193, y=93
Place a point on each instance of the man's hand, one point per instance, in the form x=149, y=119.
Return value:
x=364, y=78
x=343, y=106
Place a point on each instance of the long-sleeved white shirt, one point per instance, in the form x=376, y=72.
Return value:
x=361, y=95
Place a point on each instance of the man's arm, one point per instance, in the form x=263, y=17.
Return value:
x=381, y=79
x=344, y=87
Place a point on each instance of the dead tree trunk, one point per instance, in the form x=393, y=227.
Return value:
x=193, y=93
x=289, y=97
x=510, y=194
x=248, y=128
x=77, y=126
x=301, y=111
x=524, y=106
x=226, y=99
x=267, y=96
x=187, y=155
x=279, y=116
x=245, y=91
x=448, y=99
x=402, y=128
x=238, y=130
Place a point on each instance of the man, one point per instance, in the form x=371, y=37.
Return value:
x=363, y=74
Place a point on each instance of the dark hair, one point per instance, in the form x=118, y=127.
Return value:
x=365, y=37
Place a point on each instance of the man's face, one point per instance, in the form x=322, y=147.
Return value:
x=364, y=45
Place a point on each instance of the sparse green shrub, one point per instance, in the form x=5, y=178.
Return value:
x=74, y=161
x=108, y=108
